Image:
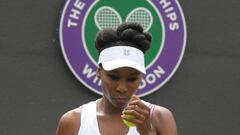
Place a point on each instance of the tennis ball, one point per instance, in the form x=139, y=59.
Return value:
x=128, y=123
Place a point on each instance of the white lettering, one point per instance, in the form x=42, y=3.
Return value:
x=170, y=9
x=170, y=14
x=152, y=77
x=78, y=4
x=75, y=13
x=70, y=23
x=90, y=74
x=97, y=80
x=159, y=71
x=165, y=3
x=143, y=84
x=88, y=71
x=174, y=26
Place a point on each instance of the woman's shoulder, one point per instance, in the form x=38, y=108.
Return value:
x=71, y=115
x=69, y=122
x=162, y=111
x=163, y=120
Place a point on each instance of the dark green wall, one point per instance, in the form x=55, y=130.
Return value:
x=36, y=86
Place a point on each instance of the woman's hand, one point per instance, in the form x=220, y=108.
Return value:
x=141, y=116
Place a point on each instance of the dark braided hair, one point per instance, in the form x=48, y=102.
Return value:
x=130, y=33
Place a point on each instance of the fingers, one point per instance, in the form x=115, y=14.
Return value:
x=134, y=97
x=138, y=113
x=135, y=109
x=137, y=118
x=133, y=119
x=138, y=110
x=138, y=103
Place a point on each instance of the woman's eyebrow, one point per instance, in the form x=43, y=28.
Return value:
x=135, y=73
x=114, y=71
x=117, y=72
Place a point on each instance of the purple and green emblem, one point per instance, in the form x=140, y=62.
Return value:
x=82, y=19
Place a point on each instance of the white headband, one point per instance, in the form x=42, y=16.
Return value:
x=122, y=56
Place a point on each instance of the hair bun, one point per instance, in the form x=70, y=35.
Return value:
x=129, y=25
x=104, y=37
x=130, y=32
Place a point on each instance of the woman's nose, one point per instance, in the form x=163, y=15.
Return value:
x=122, y=87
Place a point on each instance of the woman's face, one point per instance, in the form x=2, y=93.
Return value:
x=119, y=85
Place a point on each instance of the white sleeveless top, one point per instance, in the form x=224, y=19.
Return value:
x=89, y=123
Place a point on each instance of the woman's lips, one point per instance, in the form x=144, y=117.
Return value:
x=121, y=100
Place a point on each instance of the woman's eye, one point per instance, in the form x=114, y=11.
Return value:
x=132, y=79
x=113, y=77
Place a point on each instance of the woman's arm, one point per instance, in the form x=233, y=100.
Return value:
x=141, y=116
x=163, y=121
x=160, y=123
x=69, y=123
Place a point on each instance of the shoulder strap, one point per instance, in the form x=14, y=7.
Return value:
x=133, y=131
x=89, y=125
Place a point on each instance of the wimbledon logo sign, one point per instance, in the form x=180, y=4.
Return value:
x=82, y=19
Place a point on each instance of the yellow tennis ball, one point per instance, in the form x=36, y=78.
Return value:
x=128, y=123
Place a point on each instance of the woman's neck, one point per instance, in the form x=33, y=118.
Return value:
x=104, y=107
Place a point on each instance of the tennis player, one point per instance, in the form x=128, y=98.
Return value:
x=121, y=67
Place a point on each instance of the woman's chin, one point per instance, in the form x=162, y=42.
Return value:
x=119, y=105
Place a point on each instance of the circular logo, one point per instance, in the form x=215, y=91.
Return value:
x=82, y=19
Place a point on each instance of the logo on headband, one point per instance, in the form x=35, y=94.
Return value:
x=82, y=19
x=126, y=52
